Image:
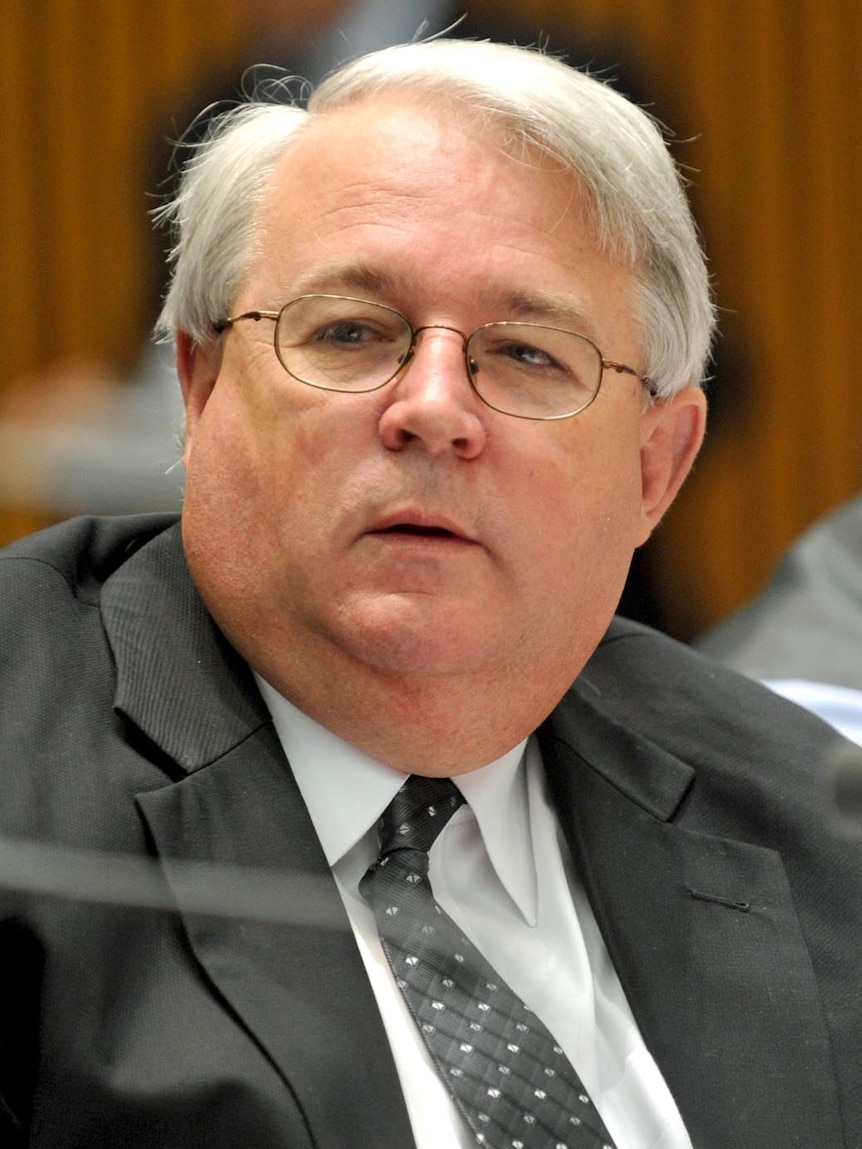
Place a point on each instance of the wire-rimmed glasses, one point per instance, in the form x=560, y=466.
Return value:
x=527, y=370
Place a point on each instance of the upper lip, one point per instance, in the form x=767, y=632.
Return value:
x=421, y=520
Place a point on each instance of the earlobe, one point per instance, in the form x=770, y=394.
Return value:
x=673, y=433
x=198, y=367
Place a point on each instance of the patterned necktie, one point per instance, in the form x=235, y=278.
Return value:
x=507, y=1074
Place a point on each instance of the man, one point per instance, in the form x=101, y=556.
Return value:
x=803, y=633
x=440, y=341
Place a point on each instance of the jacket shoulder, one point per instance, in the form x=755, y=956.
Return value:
x=83, y=551
x=679, y=696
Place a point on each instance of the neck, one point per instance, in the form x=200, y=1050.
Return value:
x=420, y=726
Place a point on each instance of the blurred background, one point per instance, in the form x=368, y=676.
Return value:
x=763, y=100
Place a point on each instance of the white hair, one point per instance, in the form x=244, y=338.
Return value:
x=615, y=150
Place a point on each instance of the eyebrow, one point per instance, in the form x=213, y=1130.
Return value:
x=554, y=309
x=549, y=307
x=342, y=277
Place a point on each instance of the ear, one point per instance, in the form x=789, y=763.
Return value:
x=198, y=367
x=672, y=434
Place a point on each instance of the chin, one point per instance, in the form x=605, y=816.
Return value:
x=436, y=645
x=419, y=656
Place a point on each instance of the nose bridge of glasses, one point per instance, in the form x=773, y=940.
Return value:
x=417, y=331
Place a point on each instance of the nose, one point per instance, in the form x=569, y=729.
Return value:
x=432, y=402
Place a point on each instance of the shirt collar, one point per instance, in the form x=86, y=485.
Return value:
x=346, y=791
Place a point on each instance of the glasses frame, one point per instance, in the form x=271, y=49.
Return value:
x=472, y=367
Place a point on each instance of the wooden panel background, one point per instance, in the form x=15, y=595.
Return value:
x=763, y=97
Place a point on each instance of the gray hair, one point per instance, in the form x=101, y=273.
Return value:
x=616, y=151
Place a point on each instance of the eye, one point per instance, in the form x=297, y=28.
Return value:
x=529, y=355
x=350, y=333
x=526, y=358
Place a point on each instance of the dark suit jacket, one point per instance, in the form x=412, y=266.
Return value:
x=694, y=803
x=807, y=623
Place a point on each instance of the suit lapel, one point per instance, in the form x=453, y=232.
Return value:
x=703, y=935
x=300, y=992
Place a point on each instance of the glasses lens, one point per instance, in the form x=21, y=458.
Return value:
x=533, y=371
x=341, y=344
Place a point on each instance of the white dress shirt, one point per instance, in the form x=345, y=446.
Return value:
x=503, y=873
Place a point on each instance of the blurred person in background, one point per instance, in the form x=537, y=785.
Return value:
x=802, y=634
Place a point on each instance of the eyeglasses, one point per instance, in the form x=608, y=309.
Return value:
x=527, y=370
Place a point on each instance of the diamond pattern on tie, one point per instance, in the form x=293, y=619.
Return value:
x=506, y=1073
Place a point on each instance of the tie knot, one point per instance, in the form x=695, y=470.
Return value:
x=418, y=813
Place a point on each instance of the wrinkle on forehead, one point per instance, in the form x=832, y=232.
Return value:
x=379, y=178
x=442, y=131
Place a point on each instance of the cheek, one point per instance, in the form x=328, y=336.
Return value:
x=223, y=458
x=586, y=519
x=251, y=444
x=266, y=477
x=229, y=505
x=243, y=499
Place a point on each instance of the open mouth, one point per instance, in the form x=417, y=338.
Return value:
x=407, y=524
x=421, y=532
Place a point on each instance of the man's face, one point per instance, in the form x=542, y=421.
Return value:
x=412, y=534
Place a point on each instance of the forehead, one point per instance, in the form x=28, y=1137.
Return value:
x=397, y=192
